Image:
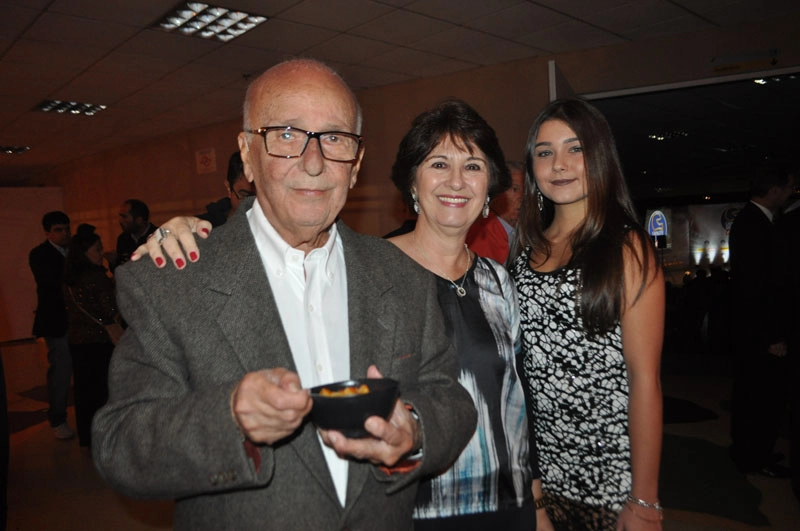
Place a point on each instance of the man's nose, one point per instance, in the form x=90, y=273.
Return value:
x=312, y=159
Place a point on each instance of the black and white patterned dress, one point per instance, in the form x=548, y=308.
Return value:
x=577, y=388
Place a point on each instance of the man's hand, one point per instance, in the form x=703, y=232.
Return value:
x=391, y=439
x=269, y=405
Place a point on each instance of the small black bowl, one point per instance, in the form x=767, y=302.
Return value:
x=347, y=414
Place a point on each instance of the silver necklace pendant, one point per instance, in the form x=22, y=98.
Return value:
x=460, y=291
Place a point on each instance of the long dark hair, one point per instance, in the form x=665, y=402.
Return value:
x=598, y=244
x=455, y=119
x=77, y=262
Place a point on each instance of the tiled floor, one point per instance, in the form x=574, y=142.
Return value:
x=53, y=485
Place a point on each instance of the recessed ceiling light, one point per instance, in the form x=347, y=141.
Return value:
x=668, y=135
x=208, y=22
x=70, y=107
x=14, y=150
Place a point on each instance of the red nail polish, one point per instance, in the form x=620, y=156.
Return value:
x=193, y=256
x=180, y=263
x=204, y=231
x=159, y=261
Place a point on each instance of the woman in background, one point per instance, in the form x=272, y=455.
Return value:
x=91, y=307
x=592, y=311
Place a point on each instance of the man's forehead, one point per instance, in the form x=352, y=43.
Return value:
x=302, y=95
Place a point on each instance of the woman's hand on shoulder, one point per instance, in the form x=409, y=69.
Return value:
x=176, y=238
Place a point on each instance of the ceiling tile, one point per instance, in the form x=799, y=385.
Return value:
x=66, y=29
x=624, y=20
x=457, y=43
x=682, y=24
x=570, y=36
x=137, y=13
x=465, y=10
x=285, y=36
x=733, y=13
x=348, y=49
x=244, y=60
x=171, y=46
x=134, y=68
x=335, y=14
x=259, y=7
x=98, y=88
x=401, y=27
x=359, y=77
x=518, y=20
x=443, y=67
x=582, y=8
x=403, y=60
x=14, y=20
x=504, y=52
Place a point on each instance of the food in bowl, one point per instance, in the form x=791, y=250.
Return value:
x=347, y=391
x=345, y=406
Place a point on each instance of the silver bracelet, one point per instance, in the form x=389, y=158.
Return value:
x=641, y=503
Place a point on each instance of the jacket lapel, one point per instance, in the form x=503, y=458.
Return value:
x=370, y=339
x=251, y=323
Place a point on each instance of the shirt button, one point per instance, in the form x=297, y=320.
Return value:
x=319, y=368
x=311, y=308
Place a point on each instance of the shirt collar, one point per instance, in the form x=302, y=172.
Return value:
x=767, y=212
x=505, y=225
x=278, y=254
x=62, y=250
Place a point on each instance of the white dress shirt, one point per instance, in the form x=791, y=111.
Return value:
x=767, y=212
x=311, y=294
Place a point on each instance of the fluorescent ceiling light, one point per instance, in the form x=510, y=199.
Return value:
x=70, y=107
x=208, y=22
x=14, y=150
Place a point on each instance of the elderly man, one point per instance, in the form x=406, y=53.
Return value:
x=209, y=385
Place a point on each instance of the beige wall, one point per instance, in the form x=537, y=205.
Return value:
x=162, y=171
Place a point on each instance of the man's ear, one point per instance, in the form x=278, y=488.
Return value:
x=356, y=167
x=244, y=151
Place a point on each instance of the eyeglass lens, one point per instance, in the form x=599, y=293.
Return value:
x=291, y=142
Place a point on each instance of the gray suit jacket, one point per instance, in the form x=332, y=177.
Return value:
x=167, y=430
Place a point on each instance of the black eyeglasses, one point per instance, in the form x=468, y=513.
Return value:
x=290, y=142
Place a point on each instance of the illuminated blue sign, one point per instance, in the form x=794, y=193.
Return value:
x=657, y=226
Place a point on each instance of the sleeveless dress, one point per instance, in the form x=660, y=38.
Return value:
x=577, y=392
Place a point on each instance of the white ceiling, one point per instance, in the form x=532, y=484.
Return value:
x=106, y=52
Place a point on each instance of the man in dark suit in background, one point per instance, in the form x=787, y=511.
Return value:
x=47, y=264
x=759, y=326
x=134, y=219
x=209, y=385
x=237, y=187
x=789, y=227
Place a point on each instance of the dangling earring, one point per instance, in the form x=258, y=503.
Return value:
x=416, y=203
x=485, y=212
x=539, y=200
